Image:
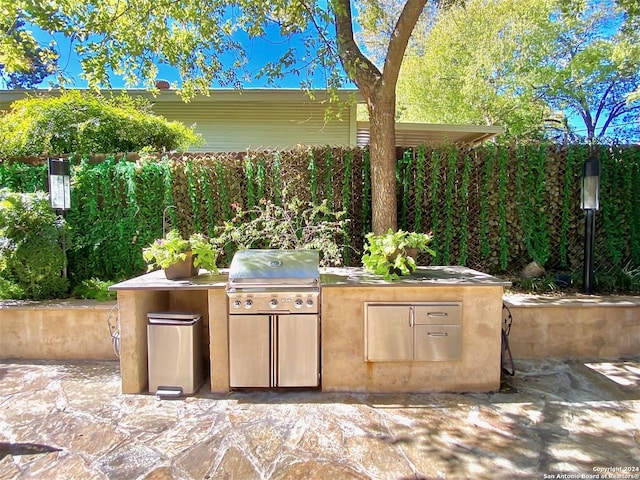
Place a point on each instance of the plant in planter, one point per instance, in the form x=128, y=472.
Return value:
x=179, y=257
x=294, y=224
x=393, y=254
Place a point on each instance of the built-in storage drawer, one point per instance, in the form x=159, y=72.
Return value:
x=438, y=313
x=413, y=331
x=436, y=342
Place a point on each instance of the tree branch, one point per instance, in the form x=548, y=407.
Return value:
x=358, y=67
x=400, y=39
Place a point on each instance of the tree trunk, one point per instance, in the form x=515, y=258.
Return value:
x=383, y=163
x=379, y=90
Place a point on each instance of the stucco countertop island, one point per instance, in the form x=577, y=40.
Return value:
x=348, y=298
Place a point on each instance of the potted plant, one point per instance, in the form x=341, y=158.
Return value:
x=180, y=257
x=393, y=254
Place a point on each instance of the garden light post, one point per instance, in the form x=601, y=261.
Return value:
x=60, y=184
x=60, y=194
x=590, y=202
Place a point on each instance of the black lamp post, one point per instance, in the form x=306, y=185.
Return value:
x=590, y=202
x=60, y=194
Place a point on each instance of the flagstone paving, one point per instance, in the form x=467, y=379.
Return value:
x=554, y=419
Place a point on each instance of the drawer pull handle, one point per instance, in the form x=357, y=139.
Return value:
x=438, y=334
x=437, y=314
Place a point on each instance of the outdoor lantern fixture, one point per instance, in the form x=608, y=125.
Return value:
x=591, y=184
x=590, y=202
x=60, y=184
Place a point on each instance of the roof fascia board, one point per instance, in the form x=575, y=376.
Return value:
x=215, y=95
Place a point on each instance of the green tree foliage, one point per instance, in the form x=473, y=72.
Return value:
x=210, y=43
x=461, y=70
x=526, y=64
x=77, y=122
x=593, y=69
x=31, y=256
x=32, y=65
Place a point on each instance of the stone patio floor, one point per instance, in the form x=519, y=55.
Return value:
x=554, y=419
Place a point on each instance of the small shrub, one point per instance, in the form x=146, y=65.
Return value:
x=546, y=284
x=82, y=123
x=94, y=289
x=296, y=224
x=31, y=257
x=625, y=279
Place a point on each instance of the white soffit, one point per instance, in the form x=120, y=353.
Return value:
x=413, y=134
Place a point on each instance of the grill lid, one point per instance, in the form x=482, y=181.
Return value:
x=275, y=267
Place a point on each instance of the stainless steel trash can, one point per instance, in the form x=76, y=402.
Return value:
x=175, y=353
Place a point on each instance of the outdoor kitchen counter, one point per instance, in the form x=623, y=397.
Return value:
x=423, y=276
x=152, y=292
x=344, y=293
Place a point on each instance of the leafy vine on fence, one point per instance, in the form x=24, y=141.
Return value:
x=277, y=179
x=464, y=211
x=209, y=203
x=566, y=196
x=193, y=195
x=485, y=244
x=492, y=207
x=403, y=178
x=449, y=193
x=531, y=194
x=222, y=190
x=435, y=202
x=366, y=192
x=502, y=206
x=346, y=199
x=419, y=189
x=328, y=179
x=248, y=171
x=634, y=209
x=313, y=177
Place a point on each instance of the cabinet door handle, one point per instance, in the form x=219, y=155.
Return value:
x=412, y=316
x=438, y=334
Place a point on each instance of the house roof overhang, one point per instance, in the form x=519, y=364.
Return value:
x=414, y=134
x=407, y=134
x=285, y=95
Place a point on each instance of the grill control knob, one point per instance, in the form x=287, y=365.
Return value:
x=237, y=303
x=273, y=303
x=248, y=303
x=310, y=303
x=298, y=303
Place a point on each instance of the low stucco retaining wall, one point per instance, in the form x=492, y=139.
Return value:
x=543, y=327
x=56, y=330
x=574, y=327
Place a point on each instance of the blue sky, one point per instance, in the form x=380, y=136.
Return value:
x=259, y=51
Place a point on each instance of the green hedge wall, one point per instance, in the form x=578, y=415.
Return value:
x=493, y=208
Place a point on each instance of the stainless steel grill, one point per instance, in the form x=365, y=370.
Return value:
x=274, y=322
x=274, y=281
x=274, y=268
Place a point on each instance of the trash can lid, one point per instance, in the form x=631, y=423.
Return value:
x=173, y=316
